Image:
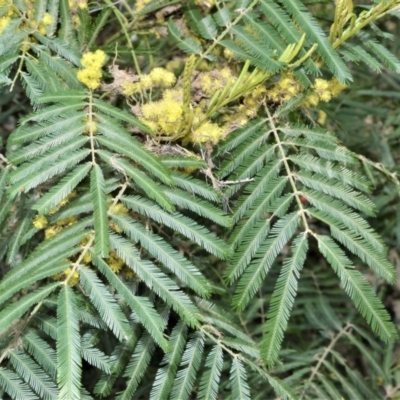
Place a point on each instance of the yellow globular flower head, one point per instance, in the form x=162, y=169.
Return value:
x=322, y=117
x=336, y=87
x=90, y=77
x=129, y=274
x=164, y=116
x=140, y=4
x=285, y=89
x=252, y=101
x=91, y=126
x=321, y=88
x=228, y=54
x=91, y=74
x=67, y=221
x=87, y=258
x=73, y=279
x=214, y=80
x=4, y=22
x=47, y=19
x=40, y=222
x=146, y=81
x=162, y=77
x=51, y=231
x=129, y=88
x=206, y=132
x=311, y=100
x=119, y=208
x=93, y=59
x=81, y=4
x=173, y=94
x=114, y=262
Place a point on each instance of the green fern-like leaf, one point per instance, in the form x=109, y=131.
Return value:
x=68, y=346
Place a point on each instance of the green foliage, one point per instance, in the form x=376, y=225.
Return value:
x=186, y=229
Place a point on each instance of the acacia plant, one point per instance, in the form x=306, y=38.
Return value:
x=169, y=185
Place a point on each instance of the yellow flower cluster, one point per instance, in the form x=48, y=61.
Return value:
x=46, y=21
x=164, y=116
x=63, y=202
x=40, y=221
x=77, y=4
x=140, y=4
x=214, y=80
x=5, y=19
x=91, y=126
x=57, y=226
x=247, y=110
x=4, y=22
x=205, y=132
x=286, y=88
x=117, y=209
x=91, y=74
x=158, y=77
x=114, y=262
x=323, y=90
x=73, y=279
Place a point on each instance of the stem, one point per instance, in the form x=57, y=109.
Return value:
x=21, y=62
x=91, y=133
x=289, y=173
x=120, y=17
x=226, y=31
x=321, y=360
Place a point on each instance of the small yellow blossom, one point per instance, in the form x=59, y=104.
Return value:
x=321, y=88
x=129, y=88
x=285, y=89
x=146, y=81
x=228, y=54
x=93, y=59
x=91, y=74
x=40, y=222
x=4, y=22
x=81, y=4
x=47, y=19
x=207, y=132
x=321, y=84
x=90, y=77
x=311, y=100
x=87, y=258
x=140, y=4
x=325, y=96
x=151, y=110
x=67, y=221
x=42, y=29
x=164, y=116
x=162, y=77
x=51, y=231
x=214, y=80
x=114, y=262
x=336, y=87
x=322, y=117
x=129, y=274
x=173, y=94
x=73, y=279
x=119, y=208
